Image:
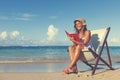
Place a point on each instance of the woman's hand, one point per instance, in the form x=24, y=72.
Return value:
x=71, y=38
x=76, y=42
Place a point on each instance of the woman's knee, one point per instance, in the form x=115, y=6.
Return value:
x=71, y=47
x=78, y=47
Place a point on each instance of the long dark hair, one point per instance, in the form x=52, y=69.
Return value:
x=82, y=30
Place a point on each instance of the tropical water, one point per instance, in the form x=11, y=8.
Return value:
x=31, y=58
x=43, y=52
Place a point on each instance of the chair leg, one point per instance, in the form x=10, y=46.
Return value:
x=99, y=58
x=109, y=59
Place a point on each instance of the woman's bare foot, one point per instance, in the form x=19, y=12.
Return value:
x=75, y=69
x=69, y=70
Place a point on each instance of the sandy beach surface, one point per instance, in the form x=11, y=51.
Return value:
x=102, y=74
x=52, y=71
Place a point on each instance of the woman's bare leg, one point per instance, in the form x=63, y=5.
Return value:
x=71, y=51
x=72, y=54
x=76, y=56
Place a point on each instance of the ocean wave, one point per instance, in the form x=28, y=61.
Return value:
x=34, y=60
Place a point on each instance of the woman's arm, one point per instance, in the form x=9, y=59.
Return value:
x=74, y=41
x=87, y=37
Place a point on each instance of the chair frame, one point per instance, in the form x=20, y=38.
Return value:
x=98, y=58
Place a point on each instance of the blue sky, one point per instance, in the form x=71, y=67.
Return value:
x=42, y=22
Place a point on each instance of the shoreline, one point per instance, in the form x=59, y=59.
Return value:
x=113, y=59
x=34, y=61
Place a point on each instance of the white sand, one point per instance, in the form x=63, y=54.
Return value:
x=102, y=74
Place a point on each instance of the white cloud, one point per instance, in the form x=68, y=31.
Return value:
x=52, y=32
x=27, y=15
x=4, y=18
x=3, y=35
x=22, y=38
x=14, y=34
x=53, y=17
x=115, y=41
x=22, y=18
x=14, y=38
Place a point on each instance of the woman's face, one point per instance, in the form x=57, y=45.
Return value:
x=78, y=25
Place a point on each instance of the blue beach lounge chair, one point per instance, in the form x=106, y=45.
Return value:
x=99, y=41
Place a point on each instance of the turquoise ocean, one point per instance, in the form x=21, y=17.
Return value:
x=42, y=52
x=38, y=53
x=33, y=52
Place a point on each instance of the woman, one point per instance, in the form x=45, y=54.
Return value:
x=75, y=49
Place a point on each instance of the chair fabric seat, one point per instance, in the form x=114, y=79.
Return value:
x=99, y=40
